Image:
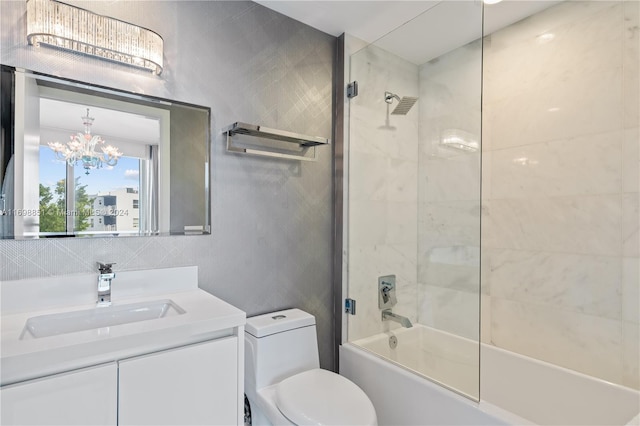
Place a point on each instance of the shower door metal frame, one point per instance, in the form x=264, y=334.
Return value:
x=339, y=88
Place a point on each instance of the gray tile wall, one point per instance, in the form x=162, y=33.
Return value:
x=270, y=246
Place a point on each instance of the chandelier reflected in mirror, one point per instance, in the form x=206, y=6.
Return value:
x=81, y=149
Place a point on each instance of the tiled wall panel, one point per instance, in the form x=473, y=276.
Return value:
x=560, y=188
x=383, y=165
x=449, y=193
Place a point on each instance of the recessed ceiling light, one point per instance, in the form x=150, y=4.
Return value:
x=491, y=1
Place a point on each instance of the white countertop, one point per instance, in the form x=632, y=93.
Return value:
x=206, y=317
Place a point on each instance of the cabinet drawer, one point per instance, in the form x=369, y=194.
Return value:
x=196, y=384
x=80, y=397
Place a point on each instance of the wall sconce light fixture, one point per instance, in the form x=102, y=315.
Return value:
x=60, y=25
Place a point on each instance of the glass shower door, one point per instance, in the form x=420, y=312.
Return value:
x=414, y=196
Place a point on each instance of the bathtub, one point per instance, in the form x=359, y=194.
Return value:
x=514, y=389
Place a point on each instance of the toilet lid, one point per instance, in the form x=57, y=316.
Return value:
x=321, y=397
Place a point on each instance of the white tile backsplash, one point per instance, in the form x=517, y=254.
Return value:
x=586, y=284
x=631, y=355
x=453, y=311
x=560, y=188
x=631, y=290
x=556, y=188
x=592, y=47
x=563, y=111
x=585, y=343
x=449, y=193
x=631, y=160
x=383, y=165
x=630, y=225
x=583, y=165
x=585, y=225
x=631, y=63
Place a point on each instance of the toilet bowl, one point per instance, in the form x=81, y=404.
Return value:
x=283, y=382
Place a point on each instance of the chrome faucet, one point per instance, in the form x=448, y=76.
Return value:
x=387, y=315
x=104, y=283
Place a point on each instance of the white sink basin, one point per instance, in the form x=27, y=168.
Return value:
x=90, y=319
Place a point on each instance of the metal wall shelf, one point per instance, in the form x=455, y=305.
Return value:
x=302, y=142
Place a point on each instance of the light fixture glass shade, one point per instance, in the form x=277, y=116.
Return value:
x=60, y=25
x=81, y=149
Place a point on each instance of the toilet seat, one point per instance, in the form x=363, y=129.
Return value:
x=321, y=397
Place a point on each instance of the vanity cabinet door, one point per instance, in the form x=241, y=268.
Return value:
x=80, y=397
x=196, y=384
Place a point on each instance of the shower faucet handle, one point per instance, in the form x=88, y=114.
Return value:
x=391, y=295
x=387, y=291
x=388, y=294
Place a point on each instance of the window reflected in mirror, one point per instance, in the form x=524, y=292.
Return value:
x=100, y=198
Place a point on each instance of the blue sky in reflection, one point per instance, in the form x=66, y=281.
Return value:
x=125, y=174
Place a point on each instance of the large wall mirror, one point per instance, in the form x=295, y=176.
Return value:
x=78, y=160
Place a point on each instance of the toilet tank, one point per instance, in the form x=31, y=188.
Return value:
x=279, y=345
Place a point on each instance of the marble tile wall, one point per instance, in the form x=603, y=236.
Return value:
x=449, y=192
x=383, y=165
x=271, y=244
x=560, y=188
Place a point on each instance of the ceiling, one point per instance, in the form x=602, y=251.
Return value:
x=367, y=20
x=402, y=27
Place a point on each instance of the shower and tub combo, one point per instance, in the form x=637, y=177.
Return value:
x=513, y=299
x=515, y=389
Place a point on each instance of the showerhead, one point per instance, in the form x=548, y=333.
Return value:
x=404, y=104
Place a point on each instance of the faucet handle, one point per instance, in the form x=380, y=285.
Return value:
x=105, y=268
x=387, y=291
x=385, y=294
x=389, y=294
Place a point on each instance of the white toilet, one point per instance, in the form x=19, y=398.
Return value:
x=283, y=381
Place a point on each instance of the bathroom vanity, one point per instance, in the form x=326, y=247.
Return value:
x=164, y=352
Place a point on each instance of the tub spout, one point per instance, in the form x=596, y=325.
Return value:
x=387, y=315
